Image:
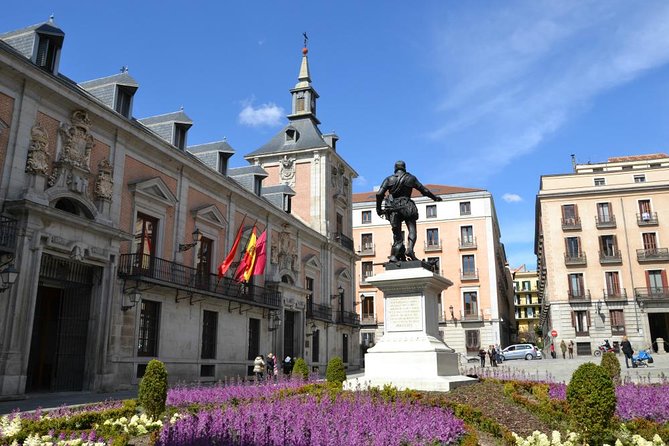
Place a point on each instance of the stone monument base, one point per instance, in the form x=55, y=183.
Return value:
x=427, y=384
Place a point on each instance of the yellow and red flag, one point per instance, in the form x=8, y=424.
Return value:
x=245, y=268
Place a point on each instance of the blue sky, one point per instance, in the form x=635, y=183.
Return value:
x=478, y=94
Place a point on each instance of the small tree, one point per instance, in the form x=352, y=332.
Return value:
x=335, y=372
x=301, y=368
x=611, y=364
x=153, y=389
x=592, y=402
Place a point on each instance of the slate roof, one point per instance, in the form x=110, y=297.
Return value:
x=310, y=138
x=281, y=188
x=44, y=27
x=117, y=79
x=178, y=116
x=437, y=189
x=246, y=170
x=218, y=146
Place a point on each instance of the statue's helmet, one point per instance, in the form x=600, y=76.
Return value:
x=400, y=165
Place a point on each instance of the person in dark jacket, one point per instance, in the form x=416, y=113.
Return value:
x=626, y=347
x=482, y=355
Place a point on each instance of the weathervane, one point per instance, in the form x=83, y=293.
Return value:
x=305, y=38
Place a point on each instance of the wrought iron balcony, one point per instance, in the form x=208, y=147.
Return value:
x=367, y=249
x=614, y=295
x=151, y=269
x=605, y=222
x=318, y=311
x=368, y=319
x=468, y=274
x=578, y=295
x=571, y=224
x=364, y=276
x=652, y=255
x=609, y=256
x=572, y=259
x=647, y=219
x=467, y=243
x=471, y=316
x=652, y=293
x=348, y=318
x=344, y=241
x=432, y=245
x=8, y=232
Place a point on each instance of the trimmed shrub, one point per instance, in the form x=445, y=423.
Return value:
x=153, y=389
x=611, y=364
x=301, y=368
x=335, y=372
x=592, y=402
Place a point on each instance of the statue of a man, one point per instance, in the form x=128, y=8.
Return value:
x=398, y=207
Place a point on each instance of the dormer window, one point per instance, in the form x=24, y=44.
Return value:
x=180, y=135
x=123, y=100
x=292, y=135
x=257, y=185
x=287, y=203
x=47, y=52
x=222, y=165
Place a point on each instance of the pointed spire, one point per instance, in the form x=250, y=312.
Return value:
x=304, y=78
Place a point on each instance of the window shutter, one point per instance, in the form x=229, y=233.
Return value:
x=588, y=313
x=573, y=319
x=647, y=279
x=663, y=274
x=575, y=211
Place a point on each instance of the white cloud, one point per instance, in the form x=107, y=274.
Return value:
x=268, y=115
x=512, y=198
x=512, y=78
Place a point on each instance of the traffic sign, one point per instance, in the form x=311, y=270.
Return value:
x=554, y=333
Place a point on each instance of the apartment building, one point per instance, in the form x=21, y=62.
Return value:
x=461, y=236
x=112, y=230
x=527, y=303
x=602, y=248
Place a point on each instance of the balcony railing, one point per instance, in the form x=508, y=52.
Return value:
x=615, y=294
x=647, y=219
x=571, y=259
x=8, y=233
x=348, y=318
x=469, y=274
x=610, y=256
x=319, y=311
x=344, y=241
x=605, y=222
x=652, y=255
x=368, y=319
x=652, y=293
x=432, y=245
x=467, y=243
x=367, y=249
x=162, y=272
x=471, y=316
x=618, y=330
x=571, y=224
x=364, y=276
x=578, y=295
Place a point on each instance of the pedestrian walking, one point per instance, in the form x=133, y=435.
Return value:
x=492, y=355
x=498, y=354
x=482, y=355
x=563, y=347
x=570, y=347
x=552, y=350
x=259, y=367
x=628, y=351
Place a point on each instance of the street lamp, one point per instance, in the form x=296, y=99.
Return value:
x=8, y=277
x=197, y=236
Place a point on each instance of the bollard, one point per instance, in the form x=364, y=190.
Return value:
x=660, y=346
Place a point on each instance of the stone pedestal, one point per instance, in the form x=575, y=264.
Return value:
x=660, y=346
x=410, y=354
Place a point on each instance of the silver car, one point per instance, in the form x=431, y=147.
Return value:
x=520, y=351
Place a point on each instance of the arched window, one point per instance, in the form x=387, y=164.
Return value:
x=287, y=279
x=72, y=206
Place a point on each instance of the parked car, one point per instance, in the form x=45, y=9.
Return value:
x=520, y=351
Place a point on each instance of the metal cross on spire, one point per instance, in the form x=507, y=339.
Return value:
x=305, y=38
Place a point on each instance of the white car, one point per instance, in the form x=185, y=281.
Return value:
x=520, y=351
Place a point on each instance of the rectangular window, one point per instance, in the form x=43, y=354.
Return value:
x=617, y=322
x=180, y=136
x=649, y=241
x=144, y=241
x=526, y=285
x=600, y=181
x=569, y=214
x=149, y=318
x=367, y=339
x=471, y=304
x=573, y=246
x=468, y=265
x=367, y=307
x=299, y=104
x=254, y=339
x=344, y=347
x=222, y=163
x=466, y=235
x=640, y=178
x=287, y=203
x=581, y=322
x=530, y=312
x=257, y=185
x=436, y=261
x=604, y=212
x=123, y=100
x=656, y=282
x=340, y=223
x=367, y=270
x=366, y=242
x=204, y=257
x=316, y=346
x=431, y=211
x=209, y=331
x=366, y=217
x=472, y=341
x=576, y=285
x=612, y=280
x=465, y=208
x=645, y=209
x=432, y=237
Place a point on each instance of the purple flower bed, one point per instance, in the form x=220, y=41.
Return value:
x=183, y=396
x=303, y=420
x=648, y=401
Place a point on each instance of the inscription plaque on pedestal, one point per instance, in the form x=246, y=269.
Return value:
x=404, y=314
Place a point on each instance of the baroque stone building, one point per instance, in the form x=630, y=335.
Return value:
x=116, y=228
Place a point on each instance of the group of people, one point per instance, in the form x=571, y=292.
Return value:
x=564, y=347
x=493, y=354
x=269, y=367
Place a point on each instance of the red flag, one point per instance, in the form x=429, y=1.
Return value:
x=245, y=268
x=261, y=254
x=223, y=267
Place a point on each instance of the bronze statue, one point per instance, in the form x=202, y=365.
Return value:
x=398, y=207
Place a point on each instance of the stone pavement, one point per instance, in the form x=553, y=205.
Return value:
x=55, y=400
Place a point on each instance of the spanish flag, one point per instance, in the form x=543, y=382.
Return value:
x=245, y=268
x=223, y=267
x=261, y=254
